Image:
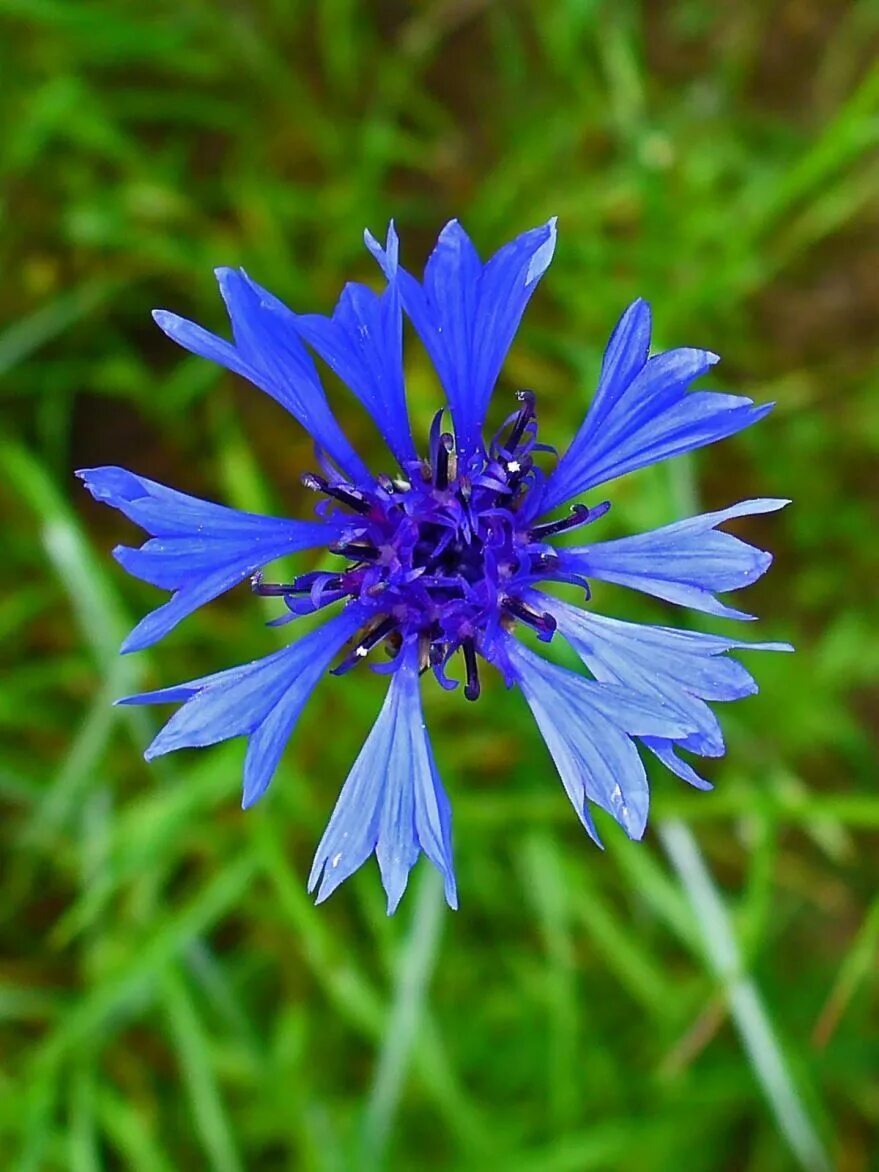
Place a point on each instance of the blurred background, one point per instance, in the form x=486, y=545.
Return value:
x=169, y=998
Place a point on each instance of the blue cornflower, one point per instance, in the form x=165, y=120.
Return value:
x=450, y=552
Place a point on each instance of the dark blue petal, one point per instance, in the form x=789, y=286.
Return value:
x=588, y=729
x=363, y=344
x=198, y=549
x=626, y=354
x=267, y=352
x=467, y=313
x=686, y=562
x=642, y=412
x=261, y=700
x=393, y=802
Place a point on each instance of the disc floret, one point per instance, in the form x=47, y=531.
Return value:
x=444, y=555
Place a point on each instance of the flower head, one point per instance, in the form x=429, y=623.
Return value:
x=449, y=553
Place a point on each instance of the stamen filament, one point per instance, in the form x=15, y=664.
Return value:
x=471, y=688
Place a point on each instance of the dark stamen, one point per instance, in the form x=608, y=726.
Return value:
x=544, y=624
x=471, y=688
x=343, y=495
x=270, y=589
x=357, y=553
x=444, y=451
x=580, y=515
x=522, y=419
x=438, y=582
x=434, y=436
x=301, y=585
x=366, y=644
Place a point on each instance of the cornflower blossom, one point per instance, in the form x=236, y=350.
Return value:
x=450, y=552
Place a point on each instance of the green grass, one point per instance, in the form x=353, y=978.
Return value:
x=169, y=997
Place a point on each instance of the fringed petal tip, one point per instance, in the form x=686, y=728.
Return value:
x=588, y=728
x=197, y=549
x=137, y=641
x=393, y=803
x=249, y=800
x=643, y=411
x=664, y=751
x=325, y=878
x=686, y=562
x=468, y=350
x=267, y=351
x=164, y=318
x=387, y=255
x=110, y=484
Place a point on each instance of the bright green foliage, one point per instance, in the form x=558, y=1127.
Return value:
x=169, y=998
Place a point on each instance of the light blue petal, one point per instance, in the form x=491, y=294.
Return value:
x=261, y=700
x=588, y=729
x=664, y=751
x=681, y=668
x=198, y=549
x=393, y=802
x=643, y=411
x=363, y=343
x=267, y=352
x=686, y=562
x=467, y=313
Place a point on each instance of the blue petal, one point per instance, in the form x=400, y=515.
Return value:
x=642, y=412
x=198, y=549
x=393, y=801
x=664, y=751
x=588, y=729
x=467, y=313
x=267, y=352
x=683, y=669
x=363, y=343
x=261, y=700
x=686, y=562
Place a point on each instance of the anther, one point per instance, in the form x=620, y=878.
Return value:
x=528, y=399
x=471, y=688
x=580, y=515
x=272, y=589
x=303, y=585
x=445, y=450
x=345, y=496
x=544, y=624
x=354, y=551
x=366, y=644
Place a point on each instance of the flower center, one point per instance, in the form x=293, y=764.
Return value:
x=443, y=556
